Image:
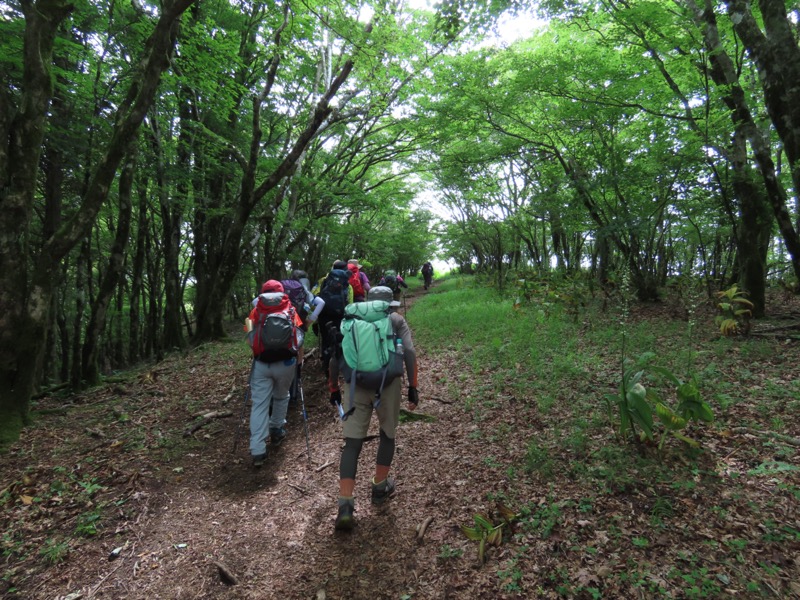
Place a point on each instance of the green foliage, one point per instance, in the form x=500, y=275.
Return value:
x=735, y=311
x=88, y=523
x=636, y=404
x=54, y=552
x=631, y=402
x=447, y=552
x=489, y=529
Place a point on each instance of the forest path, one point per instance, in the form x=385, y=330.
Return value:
x=179, y=521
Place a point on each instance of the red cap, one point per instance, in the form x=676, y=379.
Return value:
x=272, y=286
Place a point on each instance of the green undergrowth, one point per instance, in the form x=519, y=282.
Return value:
x=550, y=369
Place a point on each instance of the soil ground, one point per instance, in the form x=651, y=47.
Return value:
x=111, y=497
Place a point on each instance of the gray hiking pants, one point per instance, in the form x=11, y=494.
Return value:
x=270, y=386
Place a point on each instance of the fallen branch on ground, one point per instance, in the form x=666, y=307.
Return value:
x=206, y=419
x=442, y=400
x=422, y=528
x=225, y=574
x=787, y=439
x=325, y=466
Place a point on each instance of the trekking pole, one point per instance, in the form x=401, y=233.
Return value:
x=244, y=408
x=305, y=416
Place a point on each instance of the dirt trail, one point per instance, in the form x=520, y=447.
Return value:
x=272, y=529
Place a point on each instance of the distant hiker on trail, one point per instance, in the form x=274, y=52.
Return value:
x=427, y=274
x=358, y=281
x=394, y=282
x=366, y=330
x=276, y=339
x=335, y=290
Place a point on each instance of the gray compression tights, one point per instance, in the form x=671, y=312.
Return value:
x=352, y=448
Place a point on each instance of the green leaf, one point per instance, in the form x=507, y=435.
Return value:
x=482, y=521
x=688, y=440
x=472, y=534
x=667, y=374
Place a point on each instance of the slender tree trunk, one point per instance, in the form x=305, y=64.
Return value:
x=137, y=275
x=112, y=276
x=80, y=308
x=171, y=219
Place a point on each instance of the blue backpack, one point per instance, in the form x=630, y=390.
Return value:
x=334, y=291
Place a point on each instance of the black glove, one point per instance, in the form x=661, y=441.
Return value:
x=413, y=396
x=336, y=398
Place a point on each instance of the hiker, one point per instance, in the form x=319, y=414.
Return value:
x=427, y=274
x=308, y=307
x=277, y=343
x=358, y=281
x=360, y=400
x=394, y=282
x=313, y=305
x=336, y=292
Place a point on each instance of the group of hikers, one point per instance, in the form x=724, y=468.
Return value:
x=365, y=342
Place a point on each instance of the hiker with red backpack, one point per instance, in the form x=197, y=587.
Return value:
x=276, y=339
x=358, y=280
x=375, y=349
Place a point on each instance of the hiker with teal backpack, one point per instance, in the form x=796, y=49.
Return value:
x=375, y=349
x=276, y=339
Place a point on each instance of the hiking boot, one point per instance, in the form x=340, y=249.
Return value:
x=345, y=520
x=276, y=436
x=381, y=491
x=259, y=460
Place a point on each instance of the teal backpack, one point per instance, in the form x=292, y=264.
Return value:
x=369, y=355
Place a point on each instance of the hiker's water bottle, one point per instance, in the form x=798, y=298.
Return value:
x=398, y=346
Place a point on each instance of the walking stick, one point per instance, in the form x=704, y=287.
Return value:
x=244, y=408
x=305, y=416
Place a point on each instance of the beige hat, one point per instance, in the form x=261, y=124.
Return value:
x=354, y=261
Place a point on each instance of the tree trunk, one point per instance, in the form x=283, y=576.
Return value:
x=25, y=295
x=112, y=276
x=137, y=275
x=171, y=219
x=776, y=90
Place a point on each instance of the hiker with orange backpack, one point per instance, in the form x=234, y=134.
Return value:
x=276, y=339
x=371, y=327
x=358, y=280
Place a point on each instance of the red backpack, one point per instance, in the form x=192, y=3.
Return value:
x=355, y=282
x=274, y=336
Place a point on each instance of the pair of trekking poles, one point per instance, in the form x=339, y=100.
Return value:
x=298, y=382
